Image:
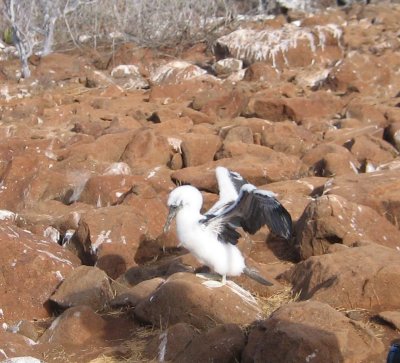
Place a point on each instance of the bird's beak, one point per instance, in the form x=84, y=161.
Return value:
x=171, y=215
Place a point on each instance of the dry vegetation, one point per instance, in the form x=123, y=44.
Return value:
x=41, y=26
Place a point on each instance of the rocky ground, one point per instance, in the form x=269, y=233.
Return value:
x=91, y=145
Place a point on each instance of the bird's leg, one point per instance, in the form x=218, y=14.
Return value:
x=223, y=280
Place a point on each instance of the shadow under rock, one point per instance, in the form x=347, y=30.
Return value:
x=283, y=249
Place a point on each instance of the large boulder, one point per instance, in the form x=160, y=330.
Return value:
x=378, y=190
x=362, y=277
x=185, y=298
x=175, y=72
x=76, y=326
x=86, y=285
x=31, y=269
x=224, y=344
x=116, y=233
x=288, y=46
x=332, y=219
x=310, y=331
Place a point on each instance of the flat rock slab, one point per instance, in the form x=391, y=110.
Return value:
x=310, y=331
x=185, y=298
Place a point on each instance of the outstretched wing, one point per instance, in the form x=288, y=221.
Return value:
x=229, y=184
x=253, y=209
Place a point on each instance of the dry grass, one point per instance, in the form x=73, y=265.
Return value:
x=274, y=302
x=365, y=318
x=57, y=354
x=135, y=348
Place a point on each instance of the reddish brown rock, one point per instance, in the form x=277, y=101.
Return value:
x=328, y=158
x=338, y=164
x=41, y=215
x=373, y=149
x=196, y=116
x=239, y=134
x=108, y=190
x=92, y=156
x=289, y=138
x=184, y=92
x=86, y=285
x=393, y=134
x=16, y=345
x=349, y=129
x=363, y=277
x=146, y=150
x=184, y=298
x=129, y=53
x=223, y=343
x=116, y=233
x=310, y=331
x=198, y=149
x=261, y=72
x=297, y=194
x=226, y=104
x=171, y=343
x=332, y=219
x=257, y=125
x=58, y=67
x=319, y=106
x=364, y=73
x=255, y=169
x=27, y=181
x=133, y=295
x=378, y=190
x=271, y=109
x=76, y=326
x=32, y=268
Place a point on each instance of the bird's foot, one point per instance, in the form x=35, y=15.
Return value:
x=207, y=276
x=211, y=282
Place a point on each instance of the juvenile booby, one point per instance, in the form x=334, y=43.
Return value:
x=212, y=237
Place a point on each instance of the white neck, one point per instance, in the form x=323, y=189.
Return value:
x=187, y=223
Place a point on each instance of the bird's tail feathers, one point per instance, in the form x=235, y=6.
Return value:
x=255, y=275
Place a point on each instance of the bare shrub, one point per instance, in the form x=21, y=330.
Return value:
x=39, y=26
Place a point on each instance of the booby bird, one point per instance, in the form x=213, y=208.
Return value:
x=212, y=237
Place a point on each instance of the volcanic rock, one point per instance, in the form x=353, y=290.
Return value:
x=32, y=268
x=185, y=298
x=332, y=219
x=310, y=331
x=364, y=276
x=86, y=285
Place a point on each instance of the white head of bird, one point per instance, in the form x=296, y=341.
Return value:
x=180, y=199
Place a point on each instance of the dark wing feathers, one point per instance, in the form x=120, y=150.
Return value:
x=276, y=217
x=237, y=180
x=253, y=209
x=226, y=231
